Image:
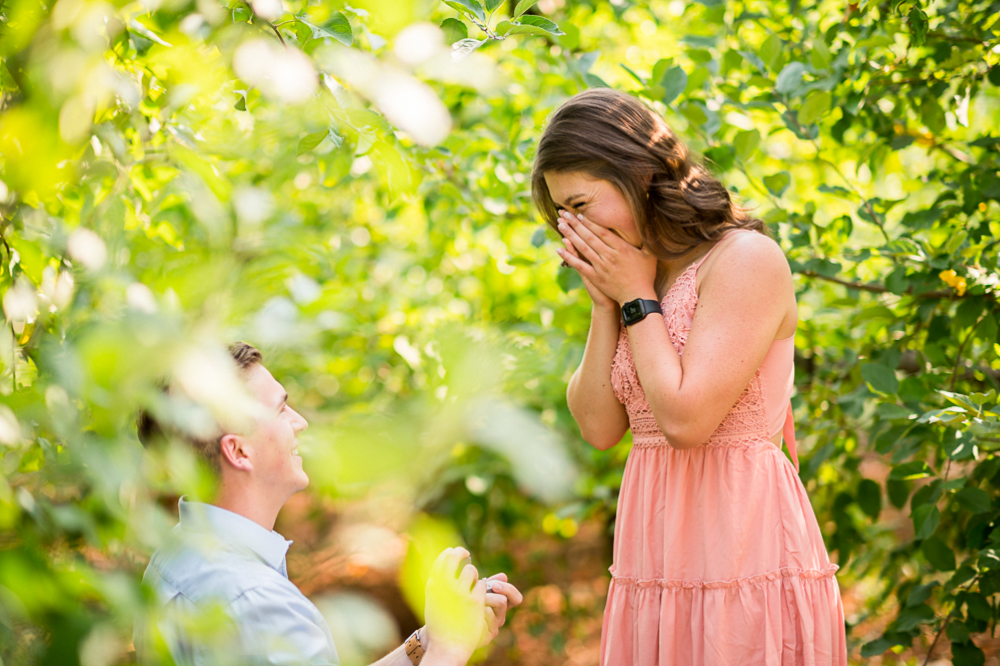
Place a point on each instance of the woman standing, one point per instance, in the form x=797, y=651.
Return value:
x=718, y=558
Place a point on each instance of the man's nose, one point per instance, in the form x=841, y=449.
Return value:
x=299, y=423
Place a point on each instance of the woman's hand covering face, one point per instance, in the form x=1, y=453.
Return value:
x=619, y=270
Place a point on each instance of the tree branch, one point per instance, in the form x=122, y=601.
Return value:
x=879, y=289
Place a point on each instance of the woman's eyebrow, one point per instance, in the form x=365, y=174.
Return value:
x=569, y=200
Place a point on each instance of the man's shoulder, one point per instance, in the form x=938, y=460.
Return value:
x=206, y=570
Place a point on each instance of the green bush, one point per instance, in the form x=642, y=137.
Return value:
x=331, y=184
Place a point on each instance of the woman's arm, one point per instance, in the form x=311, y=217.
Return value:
x=743, y=300
x=591, y=399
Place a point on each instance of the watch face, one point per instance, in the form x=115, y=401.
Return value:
x=631, y=310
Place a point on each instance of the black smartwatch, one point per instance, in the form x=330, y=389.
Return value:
x=635, y=311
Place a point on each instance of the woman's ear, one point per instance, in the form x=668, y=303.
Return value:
x=236, y=452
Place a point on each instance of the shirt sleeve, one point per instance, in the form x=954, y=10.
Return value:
x=281, y=627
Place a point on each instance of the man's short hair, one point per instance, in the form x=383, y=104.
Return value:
x=151, y=431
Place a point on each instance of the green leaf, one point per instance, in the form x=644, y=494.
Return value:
x=454, y=30
x=491, y=5
x=790, y=78
x=820, y=54
x=925, y=520
x=967, y=654
x=338, y=27
x=877, y=647
x=916, y=469
x=674, y=82
x=746, y=143
x=957, y=632
x=920, y=593
x=523, y=6
x=874, y=41
x=963, y=575
x=530, y=25
x=468, y=6
x=777, y=183
x=975, y=500
x=770, y=51
x=539, y=236
x=880, y=378
x=911, y=618
x=918, y=26
x=870, y=498
x=632, y=73
x=815, y=106
x=939, y=554
x=241, y=103
x=932, y=114
x=978, y=606
x=136, y=27
x=661, y=67
x=568, y=279
x=310, y=141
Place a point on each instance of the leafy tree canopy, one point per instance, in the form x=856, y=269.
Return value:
x=346, y=186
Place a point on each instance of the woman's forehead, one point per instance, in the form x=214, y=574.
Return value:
x=566, y=184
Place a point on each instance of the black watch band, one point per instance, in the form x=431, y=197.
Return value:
x=635, y=311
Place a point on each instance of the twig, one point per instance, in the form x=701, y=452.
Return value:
x=271, y=25
x=944, y=625
x=937, y=637
x=864, y=199
x=961, y=348
x=879, y=289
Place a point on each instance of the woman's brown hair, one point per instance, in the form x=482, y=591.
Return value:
x=610, y=135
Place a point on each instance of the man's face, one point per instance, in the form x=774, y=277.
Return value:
x=276, y=463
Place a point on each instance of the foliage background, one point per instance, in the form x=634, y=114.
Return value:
x=327, y=182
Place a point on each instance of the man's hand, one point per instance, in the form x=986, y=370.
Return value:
x=503, y=597
x=455, y=608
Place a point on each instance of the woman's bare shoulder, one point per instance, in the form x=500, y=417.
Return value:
x=747, y=261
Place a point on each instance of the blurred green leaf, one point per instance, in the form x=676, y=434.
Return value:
x=454, y=30
x=939, y=554
x=974, y=500
x=310, y=141
x=880, y=378
x=674, y=81
x=777, y=183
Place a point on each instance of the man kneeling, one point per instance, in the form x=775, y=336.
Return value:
x=221, y=585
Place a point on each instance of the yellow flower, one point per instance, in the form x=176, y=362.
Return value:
x=954, y=280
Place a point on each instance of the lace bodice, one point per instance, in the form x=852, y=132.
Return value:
x=746, y=422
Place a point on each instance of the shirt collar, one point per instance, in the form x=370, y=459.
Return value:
x=235, y=530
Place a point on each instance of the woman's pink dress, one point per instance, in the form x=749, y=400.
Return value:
x=718, y=558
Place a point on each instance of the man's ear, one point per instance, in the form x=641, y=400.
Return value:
x=236, y=452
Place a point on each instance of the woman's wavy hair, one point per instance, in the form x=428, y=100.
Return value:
x=610, y=135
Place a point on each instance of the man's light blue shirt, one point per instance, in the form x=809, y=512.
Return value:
x=217, y=558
